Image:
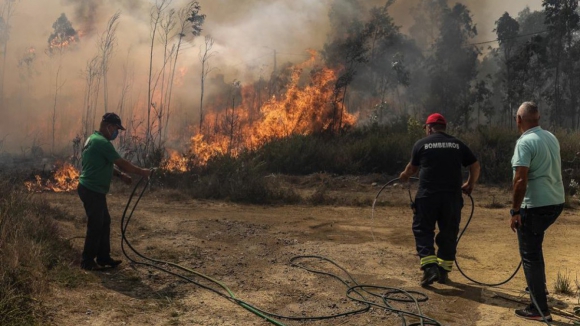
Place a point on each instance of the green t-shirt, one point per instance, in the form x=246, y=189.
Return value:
x=539, y=150
x=97, y=159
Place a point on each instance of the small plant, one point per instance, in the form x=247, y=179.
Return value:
x=563, y=284
x=494, y=204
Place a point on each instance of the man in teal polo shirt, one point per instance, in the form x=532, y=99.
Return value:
x=538, y=200
x=100, y=161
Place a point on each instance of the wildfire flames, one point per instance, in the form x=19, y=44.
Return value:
x=176, y=162
x=302, y=109
x=65, y=178
x=64, y=43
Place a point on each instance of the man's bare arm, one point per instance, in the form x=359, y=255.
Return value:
x=520, y=185
x=474, y=171
x=410, y=170
x=128, y=167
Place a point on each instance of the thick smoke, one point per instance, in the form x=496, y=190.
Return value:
x=250, y=35
x=85, y=13
x=484, y=13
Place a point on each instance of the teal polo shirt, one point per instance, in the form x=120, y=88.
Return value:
x=539, y=150
x=97, y=161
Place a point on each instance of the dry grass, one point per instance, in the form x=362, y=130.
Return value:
x=31, y=252
x=563, y=284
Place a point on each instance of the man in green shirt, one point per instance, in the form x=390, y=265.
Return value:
x=538, y=200
x=100, y=161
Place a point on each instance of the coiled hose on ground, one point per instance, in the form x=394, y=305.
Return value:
x=367, y=296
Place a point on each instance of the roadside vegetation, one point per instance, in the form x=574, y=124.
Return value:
x=380, y=150
x=32, y=254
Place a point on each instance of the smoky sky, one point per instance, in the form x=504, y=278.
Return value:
x=246, y=34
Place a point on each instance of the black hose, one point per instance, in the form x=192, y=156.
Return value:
x=458, y=238
x=155, y=263
x=457, y=242
x=387, y=294
x=355, y=291
x=463, y=273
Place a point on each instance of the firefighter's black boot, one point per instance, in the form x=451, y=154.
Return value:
x=443, y=275
x=430, y=274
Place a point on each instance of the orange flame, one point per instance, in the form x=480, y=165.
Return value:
x=64, y=179
x=302, y=109
x=176, y=162
x=201, y=151
x=61, y=44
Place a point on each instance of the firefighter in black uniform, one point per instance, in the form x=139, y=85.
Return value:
x=439, y=199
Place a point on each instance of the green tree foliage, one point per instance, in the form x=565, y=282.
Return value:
x=195, y=18
x=63, y=35
x=427, y=16
x=386, y=69
x=562, y=20
x=453, y=66
x=530, y=22
x=507, y=30
x=521, y=59
x=345, y=54
x=372, y=56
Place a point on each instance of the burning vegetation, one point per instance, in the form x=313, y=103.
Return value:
x=65, y=178
x=368, y=72
x=64, y=35
x=303, y=108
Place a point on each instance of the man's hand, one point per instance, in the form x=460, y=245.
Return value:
x=515, y=222
x=403, y=177
x=126, y=178
x=467, y=188
x=146, y=173
x=409, y=171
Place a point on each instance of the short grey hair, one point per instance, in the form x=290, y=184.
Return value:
x=529, y=111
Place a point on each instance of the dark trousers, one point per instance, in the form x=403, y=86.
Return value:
x=443, y=210
x=535, y=221
x=97, y=239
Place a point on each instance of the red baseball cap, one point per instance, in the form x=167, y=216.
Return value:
x=435, y=119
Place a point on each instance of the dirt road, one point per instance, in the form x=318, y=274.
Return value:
x=248, y=249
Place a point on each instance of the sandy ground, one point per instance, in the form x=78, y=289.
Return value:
x=248, y=249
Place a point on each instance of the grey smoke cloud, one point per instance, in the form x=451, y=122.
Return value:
x=246, y=33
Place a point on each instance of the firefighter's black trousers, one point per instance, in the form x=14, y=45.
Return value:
x=443, y=210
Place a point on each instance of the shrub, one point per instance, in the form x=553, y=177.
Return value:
x=372, y=149
x=242, y=179
x=363, y=150
x=297, y=154
x=494, y=149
